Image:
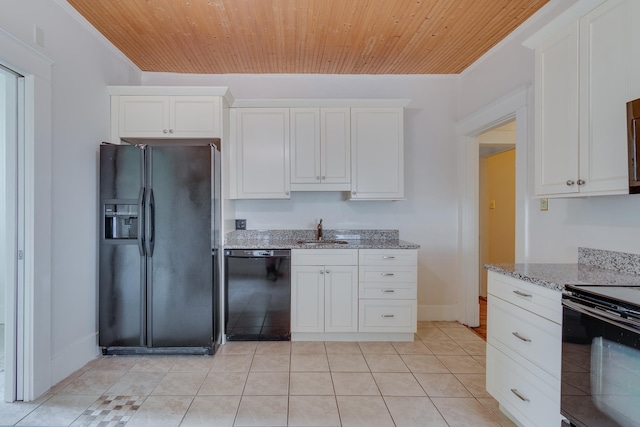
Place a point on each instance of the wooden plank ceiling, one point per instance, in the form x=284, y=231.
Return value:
x=305, y=36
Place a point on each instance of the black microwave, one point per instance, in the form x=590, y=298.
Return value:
x=633, y=117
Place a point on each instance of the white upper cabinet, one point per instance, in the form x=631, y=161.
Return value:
x=169, y=116
x=320, y=149
x=585, y=75
x=261, y=155
x=377, y=154
x=557, y=113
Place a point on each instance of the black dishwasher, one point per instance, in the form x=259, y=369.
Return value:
x=258, y=294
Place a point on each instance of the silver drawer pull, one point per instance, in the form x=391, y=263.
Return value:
x=388, y=291
x=522, y=294
x=388, y=315
x=517, y=335
x=520, y=396
x=386, y=274
x=388, y=257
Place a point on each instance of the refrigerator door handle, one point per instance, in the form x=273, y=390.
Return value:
x=141, y=221
x=150, y=222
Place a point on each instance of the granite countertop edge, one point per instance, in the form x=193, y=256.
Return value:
x=556, y=276
x=293, y=244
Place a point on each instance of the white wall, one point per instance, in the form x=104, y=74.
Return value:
x=599, y=222
x=428, y=216
x=3, y=142
x=78, y=110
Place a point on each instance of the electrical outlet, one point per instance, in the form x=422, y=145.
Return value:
x=241, y=224
x=544, y=204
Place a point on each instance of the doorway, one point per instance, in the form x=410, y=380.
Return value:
x=11, y=233
x=497, y=208
x=502, y=111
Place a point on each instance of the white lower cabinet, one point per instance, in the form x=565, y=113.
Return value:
x=366, y=294
x=524, y=339
x=531, y=401
x=324, y=290
x=388, y=290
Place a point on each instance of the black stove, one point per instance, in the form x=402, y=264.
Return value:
x=600, y=384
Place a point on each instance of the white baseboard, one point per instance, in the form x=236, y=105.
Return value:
x=445, y=313
x=351, y=336
x=73, y=358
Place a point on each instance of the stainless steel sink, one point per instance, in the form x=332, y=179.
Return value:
x=322, y=242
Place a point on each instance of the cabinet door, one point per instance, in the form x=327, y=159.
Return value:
x=195, y=116
x=143, y=116
x=307, y=298
x=262, y=153
x=556, y=149
x=335, y=134
x=377, y=156
x=606, y=57
x=305, y=145
x=341, y=299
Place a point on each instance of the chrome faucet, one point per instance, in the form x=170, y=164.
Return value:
x=319, y=230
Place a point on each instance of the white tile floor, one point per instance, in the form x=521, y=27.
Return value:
x=437, y=380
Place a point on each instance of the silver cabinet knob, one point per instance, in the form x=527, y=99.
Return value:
x=327, y=271
x=286, y=192
x=353, y=192
x=581, y=182
x=323, y=177
x=321, y=271
x=170, y=130
x=317, y=177
x=570, y=182
x=164, y=131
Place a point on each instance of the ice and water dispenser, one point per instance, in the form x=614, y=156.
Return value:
x=120, y=221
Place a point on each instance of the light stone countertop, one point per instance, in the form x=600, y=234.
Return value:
x=288, y=239
x=555, y=276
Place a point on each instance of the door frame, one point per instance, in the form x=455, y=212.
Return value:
x=514, y=105
x=35, y=362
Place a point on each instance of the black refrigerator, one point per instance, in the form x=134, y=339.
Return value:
x=159, y=267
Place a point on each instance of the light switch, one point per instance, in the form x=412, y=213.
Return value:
x=492, y=204
x=544, y=204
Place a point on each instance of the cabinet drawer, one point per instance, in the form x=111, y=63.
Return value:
x=388, y=274
x=511, y=329
x=391, y=291
x=538, y=404
x=536, y=299
x=381, y=257
x=387, y=316
x=324, y=257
